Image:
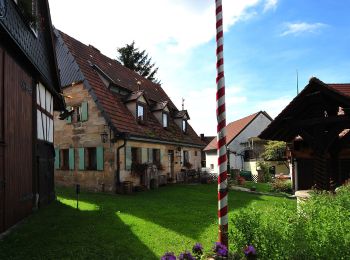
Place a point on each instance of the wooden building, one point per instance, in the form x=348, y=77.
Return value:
x=123, y=125
x=316, y=124
x=29, y=92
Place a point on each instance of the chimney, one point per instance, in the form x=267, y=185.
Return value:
x=202, y=137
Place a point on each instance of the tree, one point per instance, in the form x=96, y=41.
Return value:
x=275, y=151
x=138, y=61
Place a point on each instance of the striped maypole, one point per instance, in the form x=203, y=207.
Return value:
x=221, y=131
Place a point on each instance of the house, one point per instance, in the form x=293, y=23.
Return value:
x=206, y=140
x=125, y=130
x=316, y=125
x=29, y=93
x=239, y=136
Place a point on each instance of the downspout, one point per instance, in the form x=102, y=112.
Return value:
x=117, y=174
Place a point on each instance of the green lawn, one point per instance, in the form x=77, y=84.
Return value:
x=139, y=226
x=260, y=187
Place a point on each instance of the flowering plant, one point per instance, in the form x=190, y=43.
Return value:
x=197, y=250
x=220, y=249
x=250, y=252
x=186, y=256
x=168, y=256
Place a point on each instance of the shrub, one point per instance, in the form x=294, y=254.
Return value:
x=280, y=185
x=265, y=169
x=319, y=231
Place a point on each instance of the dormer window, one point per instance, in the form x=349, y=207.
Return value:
x=140, y=112
x=29, y=10
x=184, y=126
x=165, y=119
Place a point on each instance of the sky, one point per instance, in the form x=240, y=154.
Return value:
x=266, y=44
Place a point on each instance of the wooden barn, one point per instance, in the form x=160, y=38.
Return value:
x=29, y=93
x=316, y=125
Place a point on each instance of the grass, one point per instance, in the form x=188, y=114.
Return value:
x=260, y=187
x=140, y=226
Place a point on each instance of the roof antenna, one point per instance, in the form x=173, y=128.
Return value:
x=297, y=82
x=183, y=104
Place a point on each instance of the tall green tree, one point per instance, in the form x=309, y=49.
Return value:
x=138, y=61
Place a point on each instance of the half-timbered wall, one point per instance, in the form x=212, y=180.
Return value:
x=44, y=101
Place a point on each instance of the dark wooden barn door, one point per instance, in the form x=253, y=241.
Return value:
x=2, y=175
x=305, y=174
x=18, y=141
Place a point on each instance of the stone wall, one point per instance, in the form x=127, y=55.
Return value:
x=87, y=134
x=84, y=134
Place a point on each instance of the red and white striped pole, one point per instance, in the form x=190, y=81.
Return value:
x=221, y=131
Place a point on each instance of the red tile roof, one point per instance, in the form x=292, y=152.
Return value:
x=341, y=88
x=112, y=104
x=233, y=129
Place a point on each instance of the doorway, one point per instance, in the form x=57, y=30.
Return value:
x=171, y=164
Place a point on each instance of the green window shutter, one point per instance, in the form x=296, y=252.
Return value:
x=69, y=119
x=84, y=111
x=81, y=152
x=144, y=155
x=150, y=155
x=161, y=152
x=128, y=158
x=71, y=159
x=99, y=157
x=57, y=158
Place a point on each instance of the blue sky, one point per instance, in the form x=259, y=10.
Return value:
x=266, y=41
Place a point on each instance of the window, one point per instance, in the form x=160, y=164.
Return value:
x=156, y=156
x=90, y=158
x=29, y=10
x=77, y=114
x=65, y=159
x=186, y=158
x=80, y=113
x=136, y=155
x=184, y=126
x=212, y=166
x=195, y=153
x=140, y=112
x=165, y=120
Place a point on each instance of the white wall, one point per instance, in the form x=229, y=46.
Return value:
x=236, y=161
x=211, y=158
x=252, y=130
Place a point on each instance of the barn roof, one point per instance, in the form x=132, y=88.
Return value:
x=35, y=46
x=311, y=106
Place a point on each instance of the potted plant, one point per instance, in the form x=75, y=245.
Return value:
x=138, y=168
x=188, y=165
x=240, y=180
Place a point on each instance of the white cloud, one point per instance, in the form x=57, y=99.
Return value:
x=270, y=5
x=302, y=27
x=169, y=31
x=179, y=25
x=201, y=106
